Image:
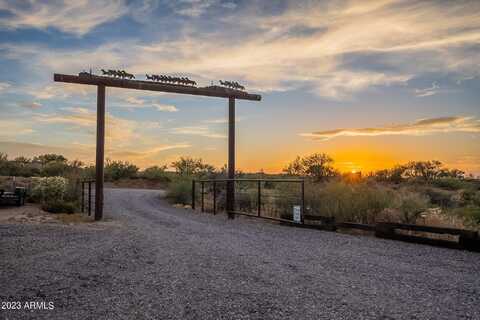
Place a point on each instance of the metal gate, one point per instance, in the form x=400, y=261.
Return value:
x=274, y=199
x=88, y=196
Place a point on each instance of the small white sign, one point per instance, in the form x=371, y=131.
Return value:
x=297, y=216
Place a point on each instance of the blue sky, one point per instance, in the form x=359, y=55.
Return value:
x=372, y=83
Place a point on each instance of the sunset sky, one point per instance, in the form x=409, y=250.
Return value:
x=371, y=83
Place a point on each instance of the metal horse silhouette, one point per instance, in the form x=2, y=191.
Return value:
x=118, y=73
x=171, y=80
x=232, y=85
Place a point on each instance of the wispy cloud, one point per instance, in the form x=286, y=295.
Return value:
x=4, y=86
x=196, y=8
x=140, y=103
x=197, y=131
x=222, y=120
x=147, y=154
x=342, y=84
x=430, y=91
x=164, y=107
x=419, y=127
x=76, y=17
x=119, y=131
x=12, y=129
x=58, y=90
x=135, y=101
x=30, y=105
x=266, y=54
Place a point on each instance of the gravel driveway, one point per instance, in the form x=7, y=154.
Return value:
x=157, y=262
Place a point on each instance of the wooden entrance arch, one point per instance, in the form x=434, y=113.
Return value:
x=211, y=91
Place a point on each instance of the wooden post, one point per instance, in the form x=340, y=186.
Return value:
x=83, y=196
x=89, y=198
x=303, y=201
x=193, y=194
x=259, y=200
x=203, y=196
x=231, y=158
x=100, y=152
x=214, y=197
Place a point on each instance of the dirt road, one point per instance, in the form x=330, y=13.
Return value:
x=157, y=262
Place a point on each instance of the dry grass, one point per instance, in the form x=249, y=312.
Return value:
x=33, y=214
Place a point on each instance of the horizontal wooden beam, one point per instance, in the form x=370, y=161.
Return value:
x=212, y=91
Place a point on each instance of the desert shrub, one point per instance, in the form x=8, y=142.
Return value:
x=476, y=198
x=48, y=189
x=450, y=183
x=59, y=206
x=54, y=169
x=155, y=173
x=246, y=201
x=411, y=205
x=394, y=175
x=317, y=166
x=468, y=195
x=180, y=190
x=115, y=170
x=279, y=201
x=360, y=202
x=470, y=214
x=53, y=194
x=439, y=197
x=186, y=166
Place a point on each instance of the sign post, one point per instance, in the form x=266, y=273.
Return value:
x=297, y=216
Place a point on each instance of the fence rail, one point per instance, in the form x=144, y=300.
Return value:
x=263, y=197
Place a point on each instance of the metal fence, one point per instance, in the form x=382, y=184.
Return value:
x=274, y=199
x=88, y=196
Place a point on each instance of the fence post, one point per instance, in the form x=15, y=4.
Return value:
x=83, y=196
x=259, y=200
x=193, y=194
x=214, y=197
x=89, y=198
x=303, y=199
x=203, y=196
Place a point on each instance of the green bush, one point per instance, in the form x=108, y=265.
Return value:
x=470, y=212
x=439, y=197
x=476, y=198
x=180, y=191
x=450, y=183
x=155, y=173
x=360, y=202
x=246, y=201
x=411, y=205
x=54, y=169
x=116, y=170
x=59, y=207
x=468, y=195
x=48, y=189
x=281, y=199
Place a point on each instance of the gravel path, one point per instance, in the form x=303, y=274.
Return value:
x=157, y=262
